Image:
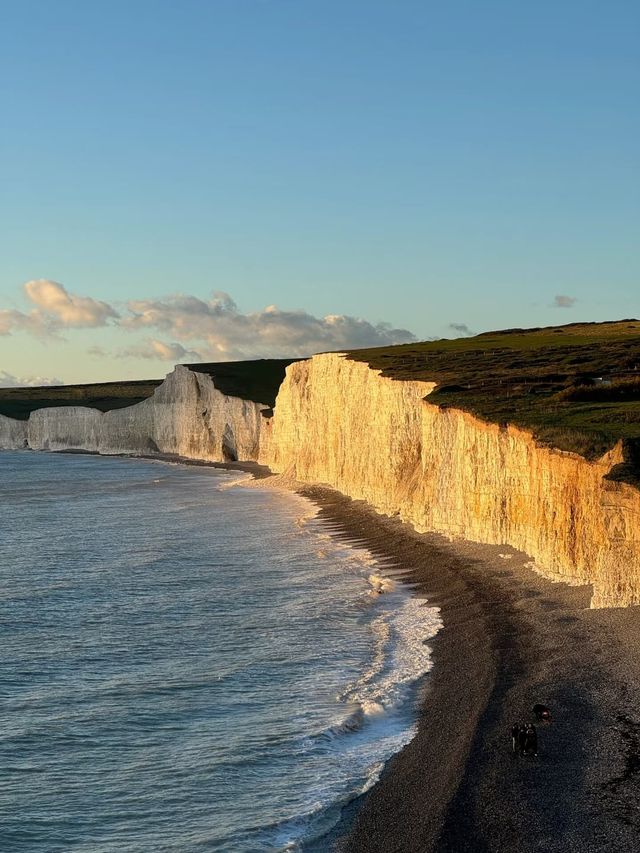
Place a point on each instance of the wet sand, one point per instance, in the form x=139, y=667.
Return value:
x=510, y=639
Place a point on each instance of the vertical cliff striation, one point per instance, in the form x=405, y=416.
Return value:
x=13, y=434
x=339, y=422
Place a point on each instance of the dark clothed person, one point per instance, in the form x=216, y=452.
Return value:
x=522, y=740
x=531, y=739
x=515, y=730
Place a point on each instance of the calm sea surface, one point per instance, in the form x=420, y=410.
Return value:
x=186, y=666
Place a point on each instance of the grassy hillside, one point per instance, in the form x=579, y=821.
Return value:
x=577, y=386
x=257, y=380
x=251, y=380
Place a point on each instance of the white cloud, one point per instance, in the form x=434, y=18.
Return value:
x=229, y=334
x=67, y=309
x=16, y=321
x=8, y=380
x=561, y=301
x=55, y=309
x=162, y=351
x=199, y=329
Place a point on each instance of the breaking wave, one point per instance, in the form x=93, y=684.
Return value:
x=376, y=713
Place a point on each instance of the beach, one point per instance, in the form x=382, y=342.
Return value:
x=510, y=639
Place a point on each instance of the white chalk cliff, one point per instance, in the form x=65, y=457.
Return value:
x=13, y=434
x=338, y=422
x=187, y=415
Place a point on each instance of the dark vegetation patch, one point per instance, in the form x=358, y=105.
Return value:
x=251, y=380
x=577, y=387
x=608, y=391
x=257, y=380
x=20, y=402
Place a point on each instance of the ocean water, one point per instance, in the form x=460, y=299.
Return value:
x=187, y=664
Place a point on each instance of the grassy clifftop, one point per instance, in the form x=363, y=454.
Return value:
x=20, y=402
x=577, y=387
x=257, y=380
x=251, y=380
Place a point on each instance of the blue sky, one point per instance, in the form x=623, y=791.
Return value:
x=412, y=163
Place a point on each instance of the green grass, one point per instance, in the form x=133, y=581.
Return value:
x=257, y=380
x=535, y=378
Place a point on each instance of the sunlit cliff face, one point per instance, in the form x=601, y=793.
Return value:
x=338, y=422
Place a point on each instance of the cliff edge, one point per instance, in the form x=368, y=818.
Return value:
x=339, y=422
x=398, y=442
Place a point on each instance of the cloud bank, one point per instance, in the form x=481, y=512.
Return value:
x=8, y=380
x=229, y=334
x=161, y=351
x=184, y=327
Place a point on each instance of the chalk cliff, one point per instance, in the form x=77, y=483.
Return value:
x=338, y=422
x=187, y=415
x=13, y=434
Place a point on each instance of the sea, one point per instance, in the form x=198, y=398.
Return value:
x=188, y=663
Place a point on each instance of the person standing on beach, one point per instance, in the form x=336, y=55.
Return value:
x=531, y=739
x=515, y=731
x=522, y=739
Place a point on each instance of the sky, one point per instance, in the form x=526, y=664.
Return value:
x=222, y=179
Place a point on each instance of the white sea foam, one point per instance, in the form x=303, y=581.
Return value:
x=381, y=584
x=375, y=722
x=240, y=480
x=400, y=656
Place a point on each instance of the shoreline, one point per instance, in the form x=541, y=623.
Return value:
x=510, y=638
